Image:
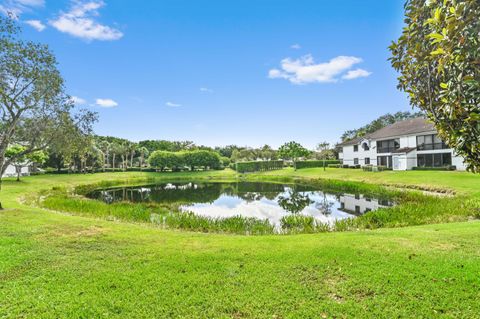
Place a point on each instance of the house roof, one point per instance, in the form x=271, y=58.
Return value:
x=404, y=150
x=406, y=127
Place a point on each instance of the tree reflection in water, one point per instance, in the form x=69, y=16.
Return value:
x=294, y=202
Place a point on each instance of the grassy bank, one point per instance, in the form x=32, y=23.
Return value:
x=58, y=266
x=413, y=208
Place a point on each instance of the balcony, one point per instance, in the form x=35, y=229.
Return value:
x=432, y=146
x=387, y=149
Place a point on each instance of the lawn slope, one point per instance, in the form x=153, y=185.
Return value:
x=59, y=266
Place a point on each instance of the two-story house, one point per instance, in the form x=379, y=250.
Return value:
x=401, y=146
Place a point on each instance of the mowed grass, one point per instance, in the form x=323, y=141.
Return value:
x=59, y=266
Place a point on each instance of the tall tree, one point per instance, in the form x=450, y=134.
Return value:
x=293, y=151
x=438, y=56
x=35, y=111
x=323, y=148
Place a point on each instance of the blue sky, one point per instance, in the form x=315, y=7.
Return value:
x=247, y=72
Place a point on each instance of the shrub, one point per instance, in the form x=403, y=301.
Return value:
x=334, y=165
x=259, y=166
x=445, y=168
x=319, y=163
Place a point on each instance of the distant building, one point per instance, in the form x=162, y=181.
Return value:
x=11, y=171
x=401, y=146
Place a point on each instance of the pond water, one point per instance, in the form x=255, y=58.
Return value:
x=248, y=199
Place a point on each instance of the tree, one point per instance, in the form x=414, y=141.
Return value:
x=163, y=159
x=24, y=160
x=379, y=123
x=143, y=154
x=438, y=57
x=35, y=111
x=293, y=151
x=323, y=148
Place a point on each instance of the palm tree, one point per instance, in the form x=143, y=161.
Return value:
x=143, y=154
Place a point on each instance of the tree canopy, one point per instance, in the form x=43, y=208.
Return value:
x=293, y=151
x=35, y=111
x=379, y=123
x=438, y=57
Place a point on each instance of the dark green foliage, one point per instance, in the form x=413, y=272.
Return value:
x=258, y=166
x=446, y=168
x=293, y=151
x=310, y=164
x=169, y=146
x=192, y=159
x=438, y=57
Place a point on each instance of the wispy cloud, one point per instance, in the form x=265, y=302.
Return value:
x=355, y=74
x=106, y=103
x=206, y=90
x=36, y=24
x=81, y=22
x=17, y=7
x=171, y=104
x=296, y=46
x=304, y=70
x=78, y=100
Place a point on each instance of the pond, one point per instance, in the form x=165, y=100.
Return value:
x=263, y=201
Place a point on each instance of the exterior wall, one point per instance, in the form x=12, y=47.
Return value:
x=11, y=171
x=459, y=162
x=358, y=204
x=348, y=155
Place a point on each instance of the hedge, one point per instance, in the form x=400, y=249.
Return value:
x=259, y=166
x=444, y=168
x=320, y=163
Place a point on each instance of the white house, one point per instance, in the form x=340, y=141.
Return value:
x=360, y=204
x=12, y=172
x=401, y=146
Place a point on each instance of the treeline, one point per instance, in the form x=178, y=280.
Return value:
x=379, y=123
x=92, y=153
x=197, y=159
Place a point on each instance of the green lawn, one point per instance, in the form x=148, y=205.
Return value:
x=60, y=266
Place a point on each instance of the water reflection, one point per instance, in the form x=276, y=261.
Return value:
x=259, y=200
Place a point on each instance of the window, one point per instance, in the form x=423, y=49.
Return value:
x=357, y=210
x=365, y=146
x=430, y=142
x=434, y=160
x=355, y=161
x=388, y=146
x=355, y=148
x=384, y=161
x=367, y=160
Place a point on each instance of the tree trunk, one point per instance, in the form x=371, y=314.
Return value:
x=19, y=171
x=113, y=163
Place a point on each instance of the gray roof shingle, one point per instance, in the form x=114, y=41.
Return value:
x=406, y=127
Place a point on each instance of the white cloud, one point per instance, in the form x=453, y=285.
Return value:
x=17, y=7
x=80, y=22
x=206, y=90
x=305, y=70
x=106, y=103
x=36, y=24
x=355, y=74
x=171, y=104
x=296, y=46
x=78, y=100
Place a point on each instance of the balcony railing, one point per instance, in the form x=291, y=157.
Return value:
x=386, y=149
x=432, y=146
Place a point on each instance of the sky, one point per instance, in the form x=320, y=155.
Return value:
x=216, y=72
